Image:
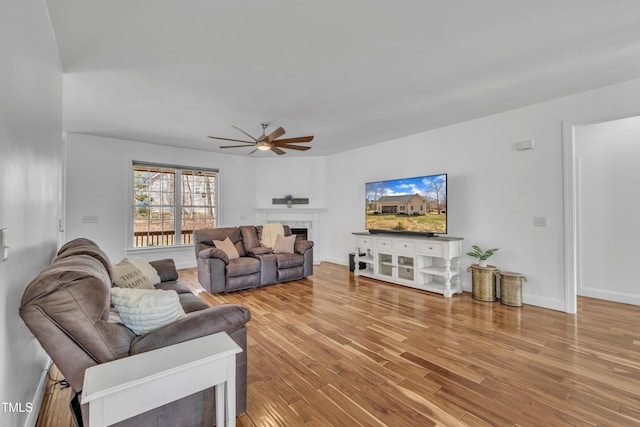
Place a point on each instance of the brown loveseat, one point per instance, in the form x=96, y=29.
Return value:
x=67, y=308
x=256, y=265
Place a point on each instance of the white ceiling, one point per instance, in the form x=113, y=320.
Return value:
x=350, y=72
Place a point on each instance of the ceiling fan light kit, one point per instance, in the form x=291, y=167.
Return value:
x=268, y=142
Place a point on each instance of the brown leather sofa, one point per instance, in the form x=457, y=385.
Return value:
x=256, y=266
x=67, y=306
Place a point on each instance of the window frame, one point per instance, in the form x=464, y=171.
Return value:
x=178, y=220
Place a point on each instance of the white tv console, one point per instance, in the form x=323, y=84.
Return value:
x=427, y=263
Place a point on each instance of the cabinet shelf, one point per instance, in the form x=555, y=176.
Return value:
x=439, y=271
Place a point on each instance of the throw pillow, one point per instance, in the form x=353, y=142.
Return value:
x=228, y=247
x=143, y=310
x=284, y=244
x=147, y=269
x=127, y=275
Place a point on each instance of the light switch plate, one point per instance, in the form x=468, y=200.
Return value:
x=540, y=221
x=529, y=144
x=90, y=219
x=4, y=247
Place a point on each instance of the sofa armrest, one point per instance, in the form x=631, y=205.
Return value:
x=223, y=318
x=259, y=250
x=302, y=246
x=214, y=253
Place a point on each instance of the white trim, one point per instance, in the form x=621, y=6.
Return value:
x=622, y=297
x=570, y=220
x=32, y=418
x=571, y=213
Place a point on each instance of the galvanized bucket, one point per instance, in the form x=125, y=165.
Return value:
x=511, y=288
x=483, y=282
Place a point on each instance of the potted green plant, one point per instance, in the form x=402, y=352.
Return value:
x=481, y=255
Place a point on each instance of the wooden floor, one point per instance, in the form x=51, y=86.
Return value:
x=334, y=350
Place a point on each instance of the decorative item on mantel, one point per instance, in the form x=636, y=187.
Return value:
x=290, y=200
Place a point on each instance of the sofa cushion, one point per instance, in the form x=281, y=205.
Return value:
x=284, y=244
x=260, y=250
x=228, y=247
x=143, y=310
x=166, y=269
x=127, y=275
x=173, y=285
x=289, y=260
x=250, y=238
x=243, y=265
x=191, y=303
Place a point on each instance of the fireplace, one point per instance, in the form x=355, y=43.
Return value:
x=303, y=222
x=300, y=233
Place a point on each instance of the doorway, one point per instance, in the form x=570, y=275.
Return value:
x=602, y=202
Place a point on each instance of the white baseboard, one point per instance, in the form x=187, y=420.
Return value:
x=623, y=297
x=544, y=302
x=338, y=261
x=183, y=265
x=32, y=418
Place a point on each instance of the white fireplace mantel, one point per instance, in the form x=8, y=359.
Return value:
x=295, y=217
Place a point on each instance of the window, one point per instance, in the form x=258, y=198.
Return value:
x=170, y=201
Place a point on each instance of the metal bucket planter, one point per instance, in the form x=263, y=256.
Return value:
x=511, y=288
x=483, y=282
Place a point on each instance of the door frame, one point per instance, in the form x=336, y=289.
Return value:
x=572, y=265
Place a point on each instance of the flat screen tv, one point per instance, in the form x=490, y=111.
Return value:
x=415, y=205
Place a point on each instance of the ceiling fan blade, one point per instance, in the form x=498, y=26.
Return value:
x=231, y=139
x=237, y=146
x=292, y=140
x=294, y=147
x=278, y=151
x=275, y=134
x=236, y=127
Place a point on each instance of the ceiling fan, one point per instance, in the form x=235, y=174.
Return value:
x=268, y=142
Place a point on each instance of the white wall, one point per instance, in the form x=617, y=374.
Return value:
x=494, y=191
x=98, y=184
x=31, y=170
x=299, y=176
x=608, y=175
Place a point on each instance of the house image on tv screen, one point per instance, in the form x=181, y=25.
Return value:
x=411, y=204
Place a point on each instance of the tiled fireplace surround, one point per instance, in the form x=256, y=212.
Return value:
x=295, y=217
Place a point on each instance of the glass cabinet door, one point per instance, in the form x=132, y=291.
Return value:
x=385, y=265
x=405, y=268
